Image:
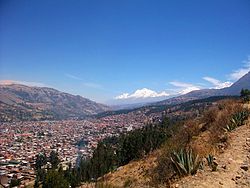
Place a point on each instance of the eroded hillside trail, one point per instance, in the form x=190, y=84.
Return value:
x=233, y=165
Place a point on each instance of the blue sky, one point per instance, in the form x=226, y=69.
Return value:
x=108, y=50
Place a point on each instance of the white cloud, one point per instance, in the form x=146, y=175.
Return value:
x=10, y=82
x=217, y=83
x=85, y=84
x=181, y=84
x=237, y=74
x=142, y=93
x=73, y=76
x=184, y=88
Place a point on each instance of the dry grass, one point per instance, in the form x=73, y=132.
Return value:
x=205, y=135
x=135, y=173
x=98, y=185
x=212, y=136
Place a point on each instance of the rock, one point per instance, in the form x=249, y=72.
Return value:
x=221, y=146
x=237, y=176
x=244, y=167
x=230, y=161
x=120, y=168
x=248, y=139
x=176, y=185
x=220, y=183
x=224, y=166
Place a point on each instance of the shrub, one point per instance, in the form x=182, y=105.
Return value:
x=210, y=115
x=128, y=183
x=103, y=185
x=245, y=95
x=185, y=162
x=223, y=121
x=15, y=182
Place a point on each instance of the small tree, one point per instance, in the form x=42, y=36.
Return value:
x=54, y=159
x=15, y=182
x=55, y=179
x=41, y=160
x=245, y=95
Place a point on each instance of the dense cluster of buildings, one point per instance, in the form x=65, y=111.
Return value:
x=20, y=142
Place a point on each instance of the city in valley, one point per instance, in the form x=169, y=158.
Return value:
x=20, y=142
x=124, y=94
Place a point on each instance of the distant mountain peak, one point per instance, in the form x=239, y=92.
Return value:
x=43, y=102
x=233, y=90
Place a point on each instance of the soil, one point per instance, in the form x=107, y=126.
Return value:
x=233, y=165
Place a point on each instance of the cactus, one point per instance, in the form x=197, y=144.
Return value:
x=185, y=162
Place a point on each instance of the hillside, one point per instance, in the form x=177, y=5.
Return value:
x=20, y=102
x=205, y=135
x=243, y=82
x=231, y=167
x=229, y=173
x=233, y=90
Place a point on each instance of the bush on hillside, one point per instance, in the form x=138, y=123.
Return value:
x=245, y=95
x=203, y=135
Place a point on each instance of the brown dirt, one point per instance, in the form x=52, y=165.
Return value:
x=229, y=173
x=134, y=174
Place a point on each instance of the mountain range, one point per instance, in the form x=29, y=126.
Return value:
x=20, y=102
x=233, y=90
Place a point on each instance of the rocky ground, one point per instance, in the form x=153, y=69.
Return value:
x=233, y=165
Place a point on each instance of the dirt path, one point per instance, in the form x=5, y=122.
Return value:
x=234, y=165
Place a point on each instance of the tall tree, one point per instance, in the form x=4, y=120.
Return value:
x=41, y=160
x=54, y=159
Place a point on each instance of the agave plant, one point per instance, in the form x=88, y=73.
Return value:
x=237, y=120
x=210, y=159
x=185, y=162
x=242, y=116
x=230, y=127
x=211, y=163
